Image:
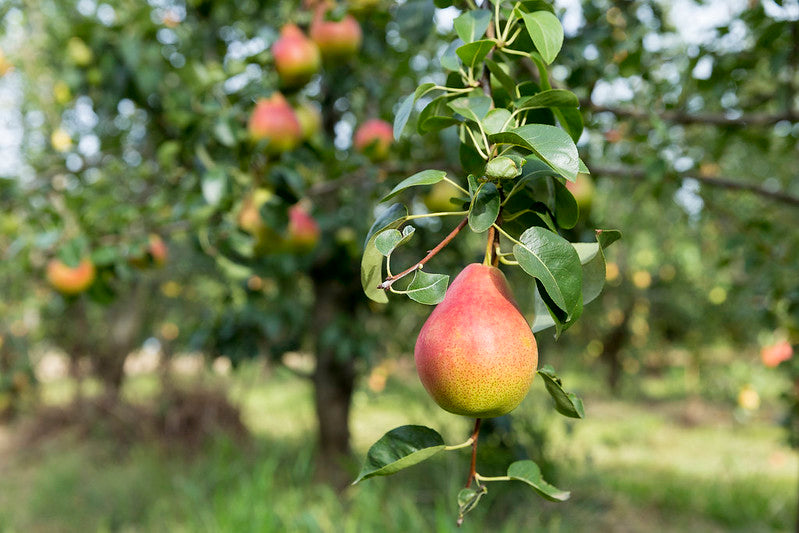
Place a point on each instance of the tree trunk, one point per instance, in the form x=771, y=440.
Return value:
x=334, y=381
x=613, y=343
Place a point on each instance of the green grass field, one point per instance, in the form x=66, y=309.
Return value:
x=656, y=466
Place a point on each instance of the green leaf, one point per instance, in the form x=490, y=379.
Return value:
x=449, y=59
x=566, y=403
x=485, y=208
x=504, y=79
x=572, y=121
x=546, y=32
x=105, y=255
x=550, y=98
x=387, y=241
x=472, y=108
x=406, y=107
x=425, y=177
x=372, y=259
x=214, y=185
x=427, y=289
x=224, y=133
x=606, y=237
x=584, y=168
x=400, y=448
x=528, y=472
x=468, y=500
x=497, y=120
x=593, y=263
x=566, y=210
x=472, y=25
x=552, y=145
x=403, y=114
x=553, y=261
x=472, y=54
x=435, y=116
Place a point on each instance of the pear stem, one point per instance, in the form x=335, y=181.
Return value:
x=418, y=266
x=488, y=259
x=473, y=467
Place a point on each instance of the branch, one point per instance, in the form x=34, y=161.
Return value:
x=639, y=173
x=682, y=117
x=391, y=279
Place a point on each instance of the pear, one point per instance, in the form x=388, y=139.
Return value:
x=476, y=354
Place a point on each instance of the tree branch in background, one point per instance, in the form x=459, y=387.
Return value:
x=682, y=117
x=723, y=182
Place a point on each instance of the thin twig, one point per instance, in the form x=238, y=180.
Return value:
x=391, y=279
x=473, y=467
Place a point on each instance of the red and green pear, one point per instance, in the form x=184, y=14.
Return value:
x=297, y=58
x=476, y=354
x=70, y=280
x=274, y=121
x=303, y=231
x=337, y=39
x=374, y=138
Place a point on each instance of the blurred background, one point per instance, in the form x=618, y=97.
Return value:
x=184, y=343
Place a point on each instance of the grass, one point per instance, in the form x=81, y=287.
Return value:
x=631, y=467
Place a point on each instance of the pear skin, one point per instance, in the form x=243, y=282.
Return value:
x=476, y=354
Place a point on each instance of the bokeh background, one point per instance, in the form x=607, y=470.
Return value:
x=232, y=385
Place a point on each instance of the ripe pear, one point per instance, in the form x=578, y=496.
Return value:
x=476, y=354
x=71, y=280
x=274, y=121
x=374, y=138
x=297, y=58
x=337, y=39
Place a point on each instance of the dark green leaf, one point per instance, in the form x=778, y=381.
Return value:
x=550, y=144
x=425, y=177
x=427, y=289
x=552, y=260
x=472, y=25
x=473, y=54
x=485, y=208
x=566, y=210
x=400, y=448
x=372, y=259
x=504, y=79
x=550, y=98
x=606, y=237
x=435, y=116
x=528, y=472
x=566, y=403
x=546, y=32
x=572, y=121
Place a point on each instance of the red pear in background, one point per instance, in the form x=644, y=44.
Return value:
x=337, y=39
x=476, y=354
x=274, y=121
x=303, y=231
x=297, y=58
x=70, y=280
x=374, y=138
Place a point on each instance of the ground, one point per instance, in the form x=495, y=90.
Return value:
x=681, y=465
